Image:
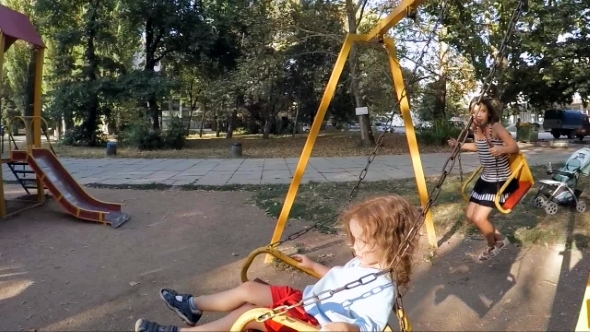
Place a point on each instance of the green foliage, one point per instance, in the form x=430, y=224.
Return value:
x=440, y=132
x=142, y=136
x=79, y=137
x=175, y=135
x=257, y=61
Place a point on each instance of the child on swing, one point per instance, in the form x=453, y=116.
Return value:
x=375, y=230
x=496, y=170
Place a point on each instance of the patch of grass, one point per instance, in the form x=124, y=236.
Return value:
x=319, y=202
x=328, y=144
x=525, y=225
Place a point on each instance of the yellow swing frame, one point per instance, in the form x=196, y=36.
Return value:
x=375, y=35
x=521, y=171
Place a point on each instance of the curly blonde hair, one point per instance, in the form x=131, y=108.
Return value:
x=386, y=222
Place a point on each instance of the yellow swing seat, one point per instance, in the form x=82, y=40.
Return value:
x=297, y=325
x=521, y=171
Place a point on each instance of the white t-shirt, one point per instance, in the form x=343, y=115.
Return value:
x=368, y=306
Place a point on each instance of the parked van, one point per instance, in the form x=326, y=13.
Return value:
x=566, y=123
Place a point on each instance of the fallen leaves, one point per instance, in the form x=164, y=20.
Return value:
x=333, y=144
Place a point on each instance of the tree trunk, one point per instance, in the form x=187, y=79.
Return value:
x=204, y=107
x=154, y=111
x=218, y=130
x=190, y=117
x=295, y=120
x=29, y=99
x=218, y=119
x=367, y=138
x=68, y=122
x=150, y=64
x=231, y=123
x=267, y=126
x=440, y=103
x=89, y=125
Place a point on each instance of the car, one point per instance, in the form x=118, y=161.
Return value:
x=354, y=127
x=382, y=127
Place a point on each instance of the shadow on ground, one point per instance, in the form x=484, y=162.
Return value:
x=60, y=274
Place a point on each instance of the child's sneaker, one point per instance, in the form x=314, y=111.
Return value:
x=488, y=253
x=492, y=251
x=181, y=305
x=143, y=325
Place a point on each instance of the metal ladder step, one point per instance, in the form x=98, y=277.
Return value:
x=24, y=171
x=27, y=182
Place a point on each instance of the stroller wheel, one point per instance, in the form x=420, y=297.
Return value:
x=581, y=206
x=551, y=208
x=538, y=201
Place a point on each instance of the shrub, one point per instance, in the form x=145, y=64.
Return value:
x=78, y=136
x=440, y=132
x=175, y=135
x=141, y=136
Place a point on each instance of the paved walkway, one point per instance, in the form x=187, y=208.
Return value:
x=120, y=171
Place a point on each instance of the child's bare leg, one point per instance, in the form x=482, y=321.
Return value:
x=225, y=323
x=248, y=292
x=246, y=296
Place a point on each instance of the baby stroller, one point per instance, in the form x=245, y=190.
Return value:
x=562, y=189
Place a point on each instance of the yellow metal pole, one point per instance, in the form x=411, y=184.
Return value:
x=2, y=201
x=37, y=114
x=37, y=101
x=404, y=104
x=584, y=317
x=312, y=136
x=393, y=18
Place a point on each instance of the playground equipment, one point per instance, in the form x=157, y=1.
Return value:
x=562, y=189
x=520, y=171
x=407, y=8
x=584, y=316
x=32, y=159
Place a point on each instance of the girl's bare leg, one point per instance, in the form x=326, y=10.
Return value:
x=480, y=219
x=477, y=216
x=249, y=292
x=225, y=323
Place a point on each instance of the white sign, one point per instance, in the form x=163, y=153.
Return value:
x=362, y=110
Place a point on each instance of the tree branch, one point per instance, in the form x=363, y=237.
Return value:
x=161, y=56
x=363, y=4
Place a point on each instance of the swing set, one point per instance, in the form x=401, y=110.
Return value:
x=519, y=167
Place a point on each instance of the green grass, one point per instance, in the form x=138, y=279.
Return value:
x=526, y=225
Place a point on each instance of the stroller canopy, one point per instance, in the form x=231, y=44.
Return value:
x=579, y=161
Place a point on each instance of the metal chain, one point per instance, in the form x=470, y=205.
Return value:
x=460, y=169
x=378, y=142
x=411, y=234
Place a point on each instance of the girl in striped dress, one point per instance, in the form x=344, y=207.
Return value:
x=493, y=143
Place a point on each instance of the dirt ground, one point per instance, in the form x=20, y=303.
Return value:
x=60, y=274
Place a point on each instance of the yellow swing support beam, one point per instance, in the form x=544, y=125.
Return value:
x=375, y=35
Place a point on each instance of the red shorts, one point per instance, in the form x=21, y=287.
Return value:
x=285, y=295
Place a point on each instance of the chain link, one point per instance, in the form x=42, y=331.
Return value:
x=447, y=168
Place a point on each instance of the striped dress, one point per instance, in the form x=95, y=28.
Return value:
x=496, y=171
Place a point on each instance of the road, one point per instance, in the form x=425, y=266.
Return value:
x=543, y=135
